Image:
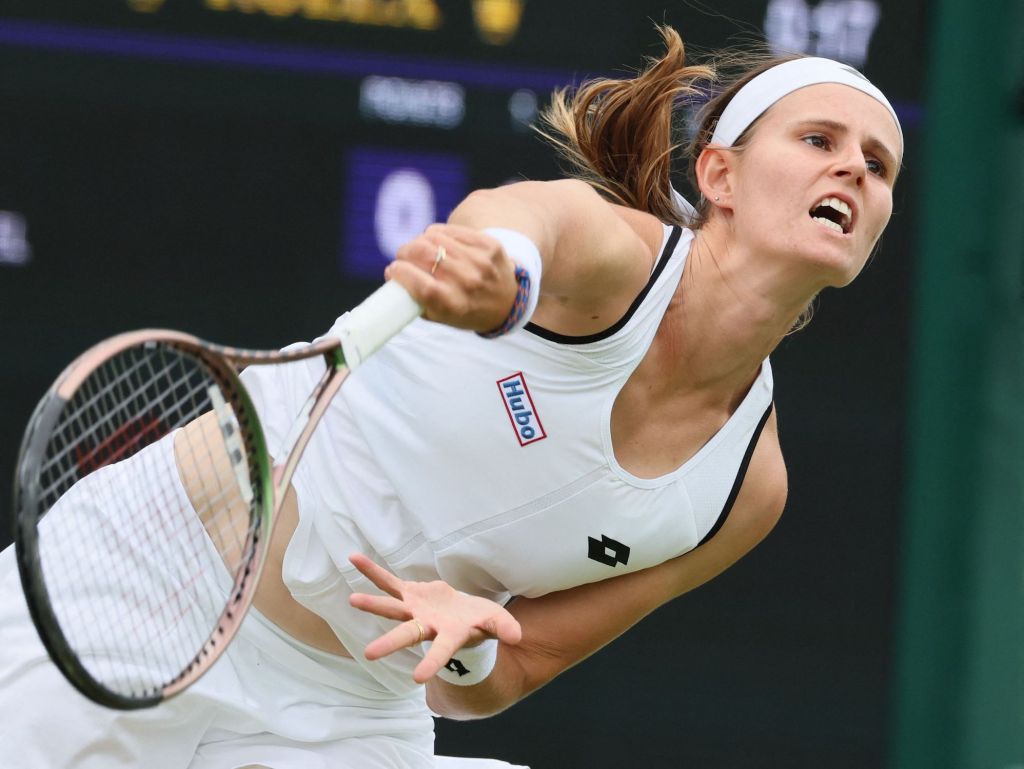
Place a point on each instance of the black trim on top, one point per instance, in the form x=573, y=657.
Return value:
x=551, y=336
x=740, y=475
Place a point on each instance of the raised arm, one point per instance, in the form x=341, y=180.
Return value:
x=596, y=257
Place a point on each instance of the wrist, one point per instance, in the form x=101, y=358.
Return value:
x=528, y=267
x=471, y=665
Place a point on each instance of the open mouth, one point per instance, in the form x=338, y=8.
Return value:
x=834, y=214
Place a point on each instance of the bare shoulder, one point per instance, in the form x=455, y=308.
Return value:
x=576, y=188
x=572, y=195
x=582, y=203
x=597, y=256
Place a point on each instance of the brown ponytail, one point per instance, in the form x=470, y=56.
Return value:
x=618, y=134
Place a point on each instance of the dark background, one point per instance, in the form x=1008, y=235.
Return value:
x=210, y=170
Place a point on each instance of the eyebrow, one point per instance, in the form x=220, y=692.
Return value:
x=873, y=142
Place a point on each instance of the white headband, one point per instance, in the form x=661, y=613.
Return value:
x=767, y=88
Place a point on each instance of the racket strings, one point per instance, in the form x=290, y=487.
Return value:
x=121, y=408
x=97, y=410
x=131, y=573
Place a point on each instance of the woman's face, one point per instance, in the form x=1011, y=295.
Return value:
x=814, y=184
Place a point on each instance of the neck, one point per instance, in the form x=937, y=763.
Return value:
x=731, y=311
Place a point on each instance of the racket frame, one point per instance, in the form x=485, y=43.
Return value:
x=223, y=363
x=355, y=336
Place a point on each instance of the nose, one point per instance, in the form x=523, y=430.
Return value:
x=851, y=166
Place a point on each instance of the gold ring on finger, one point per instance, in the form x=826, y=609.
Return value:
x=438, y=258
x=420, y=630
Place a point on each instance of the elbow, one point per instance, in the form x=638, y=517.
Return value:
x=477, y=208
x=505, y=686
x=465, y=703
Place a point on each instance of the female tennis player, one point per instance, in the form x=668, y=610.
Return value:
x=499, y=492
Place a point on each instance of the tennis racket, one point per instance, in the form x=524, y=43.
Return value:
x=144, y=499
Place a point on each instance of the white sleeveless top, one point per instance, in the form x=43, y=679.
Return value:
x=489, y=464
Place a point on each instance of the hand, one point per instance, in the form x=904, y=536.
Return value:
x=452, y=620
x=472, y=287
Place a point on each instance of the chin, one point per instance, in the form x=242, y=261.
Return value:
x=838, y=264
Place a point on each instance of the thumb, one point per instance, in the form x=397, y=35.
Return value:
x=504, y=627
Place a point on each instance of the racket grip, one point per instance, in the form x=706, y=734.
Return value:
x=367, y=326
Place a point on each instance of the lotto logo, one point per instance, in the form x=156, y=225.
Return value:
x=521, y=411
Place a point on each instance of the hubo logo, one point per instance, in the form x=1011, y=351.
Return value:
x=497, y=21
x=521, y=411
x=835, y=29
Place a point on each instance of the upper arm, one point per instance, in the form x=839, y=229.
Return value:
x=563, y=628
x=595, y=261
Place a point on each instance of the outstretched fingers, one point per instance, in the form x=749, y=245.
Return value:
x=442, y=649
x=429, y=611
x=378, y=575
x=381, y=605
x=448, y=641
x=406, y=634
x=504, y=627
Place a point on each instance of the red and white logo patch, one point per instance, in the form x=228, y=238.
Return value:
x=521, y=411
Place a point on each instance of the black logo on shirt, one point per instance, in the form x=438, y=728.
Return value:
x=607, y=551
x=456, y=666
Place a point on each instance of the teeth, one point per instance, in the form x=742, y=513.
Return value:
x=828, y=223
x=838, y=205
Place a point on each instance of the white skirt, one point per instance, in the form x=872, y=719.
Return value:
x=269, y=701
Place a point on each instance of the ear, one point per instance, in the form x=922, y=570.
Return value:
x=714, y=170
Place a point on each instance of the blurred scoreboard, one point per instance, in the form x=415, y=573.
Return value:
x=409, y=103
x=134, y=102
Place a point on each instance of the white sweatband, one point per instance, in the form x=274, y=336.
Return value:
x=525, y=254
x=472, y=665
x=751, y=101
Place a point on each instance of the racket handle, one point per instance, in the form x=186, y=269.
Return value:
x=367, y=326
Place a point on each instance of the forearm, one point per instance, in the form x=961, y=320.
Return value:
x=552, y=642
x=511, y=208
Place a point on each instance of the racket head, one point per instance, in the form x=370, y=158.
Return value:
x=135, y=577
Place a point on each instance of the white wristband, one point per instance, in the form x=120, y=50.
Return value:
x=471, y=666
x=523, y=252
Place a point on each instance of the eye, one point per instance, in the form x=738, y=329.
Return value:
x=877, y=167
x=819, y=141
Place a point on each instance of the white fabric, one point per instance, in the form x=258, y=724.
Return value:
x=525, y=253
x=767, y=88
x=690, y=214
x=419, y=463
x=269, y=701
x=471, y=666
